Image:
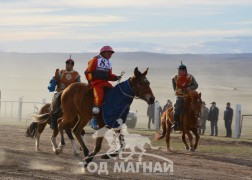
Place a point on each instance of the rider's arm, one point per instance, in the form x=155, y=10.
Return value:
x=78, y=79
x=112, y=77
x=92, y=64
x=174, y=83
x=194, y=85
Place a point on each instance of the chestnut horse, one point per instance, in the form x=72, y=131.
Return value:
x=38, y=125
x=77, y=101
x=189, y=121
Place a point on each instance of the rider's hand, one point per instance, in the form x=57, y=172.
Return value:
x=118, y=78
x=57, y=73
x=188, y=89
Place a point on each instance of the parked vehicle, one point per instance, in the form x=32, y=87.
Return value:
x=131, y=119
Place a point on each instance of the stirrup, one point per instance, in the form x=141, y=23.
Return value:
x=175, y=125
x=94, y=124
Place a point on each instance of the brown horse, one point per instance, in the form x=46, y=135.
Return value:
x=36, y=128
x=189, y=119
x=77, y=101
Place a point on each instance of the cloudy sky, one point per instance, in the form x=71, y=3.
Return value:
x=161, y=26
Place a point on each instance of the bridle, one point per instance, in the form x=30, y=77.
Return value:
x=194, y=106
x=137, y=95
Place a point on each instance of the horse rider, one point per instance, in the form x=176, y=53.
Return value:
x=182, y=83
x=98, y=73
x=62, y=79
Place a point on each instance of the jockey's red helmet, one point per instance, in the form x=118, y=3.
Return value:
x=106, y=48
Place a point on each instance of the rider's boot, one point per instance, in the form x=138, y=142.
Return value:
x=94, y=120
x=53, y=123
x=176, y=122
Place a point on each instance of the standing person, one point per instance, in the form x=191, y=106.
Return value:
x=213, y=116
x=151, y=114
x=182, y=83
x=228, y=117
x=167, y=105
x=62, y=79
x=203, y=118
x=98, y=74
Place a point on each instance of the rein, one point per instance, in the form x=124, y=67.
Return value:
x=133, y=97
x=125, y=94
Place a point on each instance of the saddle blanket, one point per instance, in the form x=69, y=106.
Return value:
x=117, y=103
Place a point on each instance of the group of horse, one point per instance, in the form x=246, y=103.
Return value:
x=77, y=103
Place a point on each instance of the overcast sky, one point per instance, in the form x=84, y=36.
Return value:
x=161, y=26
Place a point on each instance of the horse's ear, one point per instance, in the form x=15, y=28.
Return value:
x=137, y=72
x=145, y=72
x=200, y=94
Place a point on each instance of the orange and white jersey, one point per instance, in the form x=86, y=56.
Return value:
x=66, y=78
x=99, y=71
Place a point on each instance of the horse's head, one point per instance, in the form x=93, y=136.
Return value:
x=141, y=86
x=196, y=102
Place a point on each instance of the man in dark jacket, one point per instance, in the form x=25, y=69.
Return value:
x=228, y=117
x=213, y=118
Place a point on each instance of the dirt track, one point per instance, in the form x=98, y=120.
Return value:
x=18, y=160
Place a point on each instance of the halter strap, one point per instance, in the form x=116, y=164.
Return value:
x=125, y=94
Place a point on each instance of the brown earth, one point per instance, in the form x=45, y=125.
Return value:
x=18, y=160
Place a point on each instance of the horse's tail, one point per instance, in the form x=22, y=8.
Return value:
x=32, y=129
x=161, y=135
x=42, y=118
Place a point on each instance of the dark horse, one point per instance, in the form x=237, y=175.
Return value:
x=192, y=109
x=77, y=101
x=38, y=125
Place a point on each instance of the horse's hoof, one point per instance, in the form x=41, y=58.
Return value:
x=187, y=148
x=85, y=164
x=169, y=150
x=192, y=149
x=87, y=160
x=105, y=156
x=57, y=151
x=76, y=153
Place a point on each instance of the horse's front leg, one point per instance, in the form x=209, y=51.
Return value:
x=184, y=140
x=37, y=135
x=74, y=147
x=122, y=144
x=190, y=139
x=98, y=144
x=197, y=137
x=78, y=130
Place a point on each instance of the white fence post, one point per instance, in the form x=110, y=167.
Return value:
x=20, y=104
x=156, y=115
x=238, y=121
x=0, y=103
